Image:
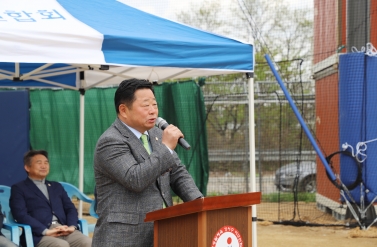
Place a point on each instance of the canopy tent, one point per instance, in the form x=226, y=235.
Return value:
x=87, y=43
x=83, y=35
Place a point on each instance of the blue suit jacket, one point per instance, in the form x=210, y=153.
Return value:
x=29, y=206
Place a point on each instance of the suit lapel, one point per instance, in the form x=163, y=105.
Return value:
x=135, y=143
x=50, y=190
x=155, y=141
x=119, y=125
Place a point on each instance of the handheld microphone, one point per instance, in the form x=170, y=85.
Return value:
x=162, y=124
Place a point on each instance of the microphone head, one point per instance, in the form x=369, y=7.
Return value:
x=159, y=122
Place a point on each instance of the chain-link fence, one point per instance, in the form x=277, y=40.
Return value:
x=285, y=160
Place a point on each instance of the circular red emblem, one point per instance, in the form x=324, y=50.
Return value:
x=227, y=236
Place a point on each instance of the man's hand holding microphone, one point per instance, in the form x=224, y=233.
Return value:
x=171, y=135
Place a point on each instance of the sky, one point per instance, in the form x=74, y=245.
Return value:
x=168, y=8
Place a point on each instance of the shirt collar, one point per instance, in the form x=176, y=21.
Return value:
x=136, y=132
x=38, y=180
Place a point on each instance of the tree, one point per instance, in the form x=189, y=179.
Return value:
x=283, y=32
x=274, y=28
x=205, y=16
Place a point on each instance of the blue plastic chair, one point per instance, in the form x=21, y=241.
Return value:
x=73, y=192
x=11, y=232
x=9, y=220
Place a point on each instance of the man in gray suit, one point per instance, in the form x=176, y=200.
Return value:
x=133, y=179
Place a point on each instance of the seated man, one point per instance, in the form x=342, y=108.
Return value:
x=45, y=206
x=4, y=242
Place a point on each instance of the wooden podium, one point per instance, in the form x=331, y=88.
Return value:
x=206, y=221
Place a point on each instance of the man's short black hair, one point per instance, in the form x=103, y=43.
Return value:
x=125, y=94
x=30, y=154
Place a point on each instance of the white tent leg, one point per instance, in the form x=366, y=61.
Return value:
x=81, y=150
x=252, y=158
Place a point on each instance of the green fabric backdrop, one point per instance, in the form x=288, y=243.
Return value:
x=54, y=126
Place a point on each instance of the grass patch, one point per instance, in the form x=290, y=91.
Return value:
x=288, y=197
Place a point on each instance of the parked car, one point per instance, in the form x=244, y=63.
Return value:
x=306, y=172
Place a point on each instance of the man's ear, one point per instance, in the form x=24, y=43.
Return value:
x=123, y=110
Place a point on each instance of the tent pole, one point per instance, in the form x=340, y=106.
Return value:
x=81, y=154
x=253, y=186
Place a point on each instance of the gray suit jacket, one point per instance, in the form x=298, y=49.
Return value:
x=130, y=183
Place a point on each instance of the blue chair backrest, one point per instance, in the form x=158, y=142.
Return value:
x=73, y=191
x=4, y=200
x=93, y=209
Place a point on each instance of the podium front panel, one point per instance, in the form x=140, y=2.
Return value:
x=178, y=231
x=240, y=218
x=213, y=221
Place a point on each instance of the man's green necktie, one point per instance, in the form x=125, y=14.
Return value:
x=144, y=140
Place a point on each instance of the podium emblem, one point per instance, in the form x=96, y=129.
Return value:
x=227, y=236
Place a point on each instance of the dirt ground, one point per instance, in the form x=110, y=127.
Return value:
x=277, y=235
x=269, y=234
x=272, y=235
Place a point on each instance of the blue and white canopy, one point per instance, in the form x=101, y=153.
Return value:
x=47, y=42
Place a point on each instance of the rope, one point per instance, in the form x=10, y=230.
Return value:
x=361, y=148
x=369, y=50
